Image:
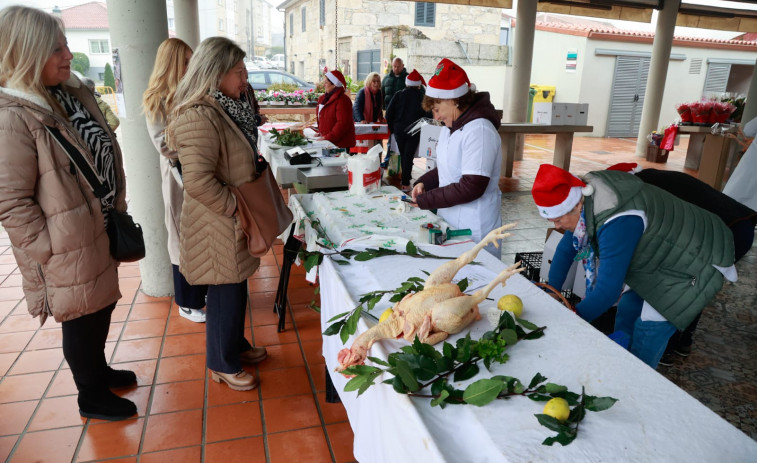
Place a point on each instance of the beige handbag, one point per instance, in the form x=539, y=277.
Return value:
x=262, y=212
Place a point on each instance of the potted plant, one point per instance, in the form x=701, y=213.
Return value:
x=276, y=98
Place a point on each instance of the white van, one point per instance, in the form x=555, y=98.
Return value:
x=278, y=61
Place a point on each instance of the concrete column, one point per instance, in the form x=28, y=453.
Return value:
x=750, y=111
x=187, y=22
x=658, y=73
x=523, y=50
x=137, y=28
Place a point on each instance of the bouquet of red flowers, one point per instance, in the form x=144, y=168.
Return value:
x=700, y=111
x=684, y=110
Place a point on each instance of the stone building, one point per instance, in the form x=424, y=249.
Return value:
x=361, y=36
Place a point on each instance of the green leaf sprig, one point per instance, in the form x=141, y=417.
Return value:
x=288, y=138
x=420, y=366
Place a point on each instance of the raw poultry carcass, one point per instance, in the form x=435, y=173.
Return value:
x=437, y=311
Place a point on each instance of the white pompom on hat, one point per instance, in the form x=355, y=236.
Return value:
x=336, y=78
x=630, y=167
x=449, y=81
x=415, y=79
x=556, y=191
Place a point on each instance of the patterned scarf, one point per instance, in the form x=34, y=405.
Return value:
x=98, y=141
x=240, y=112
x=585, y=252
x=243, y=116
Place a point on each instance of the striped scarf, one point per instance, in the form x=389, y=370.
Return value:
x=98, y=141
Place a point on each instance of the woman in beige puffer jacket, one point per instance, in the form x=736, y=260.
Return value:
x=55, y=223
x=212, y=128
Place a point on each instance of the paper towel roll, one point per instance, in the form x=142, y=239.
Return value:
x=364, y=174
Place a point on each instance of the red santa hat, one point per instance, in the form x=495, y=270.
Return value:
x=630, y=167
x=556, y=191
x=415, y=79
x=336, y=78
x=449, y=81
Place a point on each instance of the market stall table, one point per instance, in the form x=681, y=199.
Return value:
x=283, y=171
x=653, y=420
x=368, y=135
x=707, y=153
x=563, y=143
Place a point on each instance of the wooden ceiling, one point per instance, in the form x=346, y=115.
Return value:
x=689, y=14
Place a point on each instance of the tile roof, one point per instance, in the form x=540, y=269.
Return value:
x=92, y=15
x=614, y=33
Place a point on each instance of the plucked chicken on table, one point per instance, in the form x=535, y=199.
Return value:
x=437, y=311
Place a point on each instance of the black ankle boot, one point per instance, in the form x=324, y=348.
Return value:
x=120, y=378
x=105, y=405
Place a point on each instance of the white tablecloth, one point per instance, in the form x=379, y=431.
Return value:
x=285, y=173
x=653, y=421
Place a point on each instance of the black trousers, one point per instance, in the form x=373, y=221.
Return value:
x=186, y=295
x=407, y=146
x=84, y=349
x=224, y=327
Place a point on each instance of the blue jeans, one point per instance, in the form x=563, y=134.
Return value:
x=648, y=339
x=224, y=327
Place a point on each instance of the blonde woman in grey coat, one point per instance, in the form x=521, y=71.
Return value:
x=170, y=65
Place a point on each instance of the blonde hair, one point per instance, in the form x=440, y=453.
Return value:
x=28, y=37
x=369, y=79
x=166, y=73
x=213, y=59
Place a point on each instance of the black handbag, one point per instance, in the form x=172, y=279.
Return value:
x=127, y=243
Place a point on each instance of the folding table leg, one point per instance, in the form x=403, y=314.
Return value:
x=332, y=396
x=291, y=247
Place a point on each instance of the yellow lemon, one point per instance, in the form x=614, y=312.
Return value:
x=511, y=303
x=387, y=313
x=557, y=408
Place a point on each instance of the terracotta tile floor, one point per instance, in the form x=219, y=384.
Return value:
x=185, y=417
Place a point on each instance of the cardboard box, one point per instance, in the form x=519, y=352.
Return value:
x=561, y=113
x=551, y=113
x=582, y=114
x=429, y=139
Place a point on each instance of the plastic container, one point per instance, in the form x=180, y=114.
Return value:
x=544, y=93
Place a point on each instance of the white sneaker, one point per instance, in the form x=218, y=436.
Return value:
x=195, y=315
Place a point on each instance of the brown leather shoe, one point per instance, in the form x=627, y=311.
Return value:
x=254, y=355
x=239, y=381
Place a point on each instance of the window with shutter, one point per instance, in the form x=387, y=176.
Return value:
x=425, y=14
x=304, y=19
x=291, y=24
x=322, y=7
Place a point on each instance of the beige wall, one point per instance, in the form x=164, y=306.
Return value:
x=592, y=81
x=361, y=20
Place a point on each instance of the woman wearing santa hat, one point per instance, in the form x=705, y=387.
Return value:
x=671, y=254
x=404, y=110
x=464, y=185
x=335, y=122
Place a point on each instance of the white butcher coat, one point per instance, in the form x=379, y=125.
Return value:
x=473, y=149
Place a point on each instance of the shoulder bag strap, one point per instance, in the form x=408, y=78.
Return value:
x=76, y=157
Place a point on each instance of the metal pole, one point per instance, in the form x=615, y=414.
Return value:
x=523, y=50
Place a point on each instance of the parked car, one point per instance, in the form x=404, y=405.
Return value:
x=262, y=62
x=263, y=78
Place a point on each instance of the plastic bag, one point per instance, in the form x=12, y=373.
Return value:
x=669, y=138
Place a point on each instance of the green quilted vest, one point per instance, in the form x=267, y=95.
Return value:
x=671, y=268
